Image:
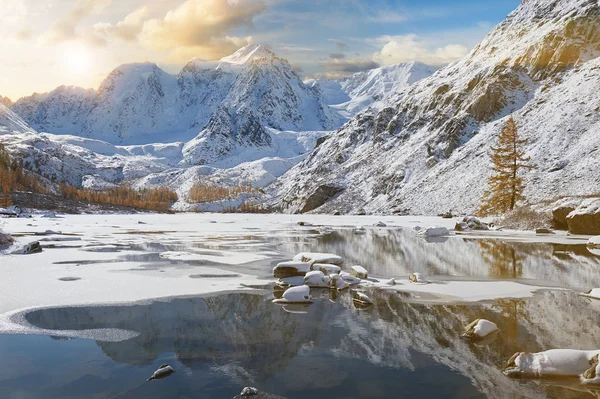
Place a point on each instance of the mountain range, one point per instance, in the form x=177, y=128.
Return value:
x=398, y=139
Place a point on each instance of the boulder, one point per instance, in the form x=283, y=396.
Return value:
x=417, y=278
x=31, y=248
x=360, y=230
x=434, y=232
x=163, y=371
x=300, y=294
x=319, y=257
x=461, y=226
x=253, y=393
x=474, y=223
x=291, y=269
x=380, y=224
x=316, y=279
x=361, y=300
x=361, y=212
x=543, y=230
x=479, y=329
x=319, y=197
x=359, y=272
x=336, y=213
x=327, y=268
x=336, y=282
x=559, y=216
x=585, y=219
x=349, y=279
x=5, y=240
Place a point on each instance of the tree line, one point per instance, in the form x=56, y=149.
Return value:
x=14, y=177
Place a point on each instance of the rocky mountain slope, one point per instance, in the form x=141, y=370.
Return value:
x=427, y=151
x=370, y=88
x=140, y=103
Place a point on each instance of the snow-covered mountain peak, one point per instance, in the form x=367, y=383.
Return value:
x=248, y=53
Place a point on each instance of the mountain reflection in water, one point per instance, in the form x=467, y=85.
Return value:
x=221, y=343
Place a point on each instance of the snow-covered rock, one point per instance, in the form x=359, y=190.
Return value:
x=349, y=278
x=316, y=279
x=361, y=299
x=359, y=272
x=551, y=363
x=299, y=294
x=163, y=371
x=290, y=269
x=318, y=257
x=434, y=232
x=479, y=328
x=327, y=268
x=337, y=282
x=418, y=278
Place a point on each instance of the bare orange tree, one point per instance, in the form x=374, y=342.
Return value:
x=505, y=186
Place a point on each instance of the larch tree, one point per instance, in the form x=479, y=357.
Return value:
x=505, y=186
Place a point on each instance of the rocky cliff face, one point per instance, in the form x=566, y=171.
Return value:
x=426, y=152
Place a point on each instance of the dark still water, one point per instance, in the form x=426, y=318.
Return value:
x=220, y=344
x=396, y=349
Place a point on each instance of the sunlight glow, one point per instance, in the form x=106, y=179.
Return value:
x=77, y=59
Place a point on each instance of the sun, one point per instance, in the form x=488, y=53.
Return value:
x=77, y=59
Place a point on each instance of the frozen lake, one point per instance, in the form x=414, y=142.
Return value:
x=111, y=297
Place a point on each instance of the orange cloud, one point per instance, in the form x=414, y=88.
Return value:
x=201, y=27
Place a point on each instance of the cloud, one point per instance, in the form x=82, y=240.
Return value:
x=201, y=27
x=330, y=75
x=337, y=56
x=339, y=45
x=24, y=34
x=397, y=49
x=65, y=28
x=349, y=66
x=128, y=29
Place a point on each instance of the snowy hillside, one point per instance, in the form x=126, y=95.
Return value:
x=11, y=122
x=141, y=104
x=427, y=153
x=370, y=88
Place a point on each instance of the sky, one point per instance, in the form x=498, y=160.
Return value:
x=48, y=43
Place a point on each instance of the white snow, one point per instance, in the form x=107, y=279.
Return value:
x=316, y=279
x=552, y=363
x=299, y=294
x=484, y=328
x=434, y=232
x=317, y=257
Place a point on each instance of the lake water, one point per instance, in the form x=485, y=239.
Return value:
x=219, y=343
